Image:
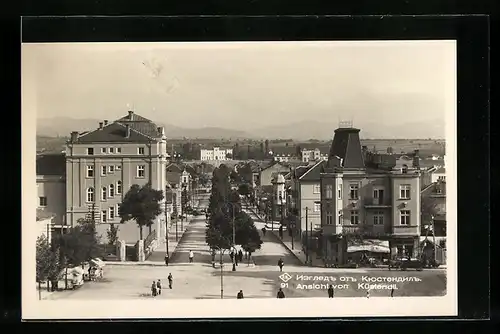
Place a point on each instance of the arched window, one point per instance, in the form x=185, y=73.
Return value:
x=104, y=193
x=119, y=187
x=111, y=190
x=90, y=194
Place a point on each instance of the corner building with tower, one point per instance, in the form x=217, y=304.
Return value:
x=366, y=202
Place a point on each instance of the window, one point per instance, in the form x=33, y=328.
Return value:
x=104, y=216
x=117, y=211
x=42, y=201
x=90, y=151
x=339, y=191
x=103, y=170
x=353, y=191
x=378, y=218
x=140, y=150
x=118, y=187
x=118, y=167
x=141, y=171
x=316, y=189
x=118, y=150
x=111, y=168
x=317, y=207
x=280, y=195
x=329, y=218
x=104, y=193
x=111, y=213
x=354, y=217
x=90, y=195
x=111, y=150
x=328, y=191
x=404, y=191
x=341, y=217
x=90, y=171
x=405, y=217
x=104, y=150
x=111, y=190
x=184, y=179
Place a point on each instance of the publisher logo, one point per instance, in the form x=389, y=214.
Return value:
x=285, y=277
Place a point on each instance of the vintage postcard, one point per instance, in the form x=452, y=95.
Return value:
x=210, y=180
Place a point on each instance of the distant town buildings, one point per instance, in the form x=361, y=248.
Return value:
x=313, y=155
x=216, y=153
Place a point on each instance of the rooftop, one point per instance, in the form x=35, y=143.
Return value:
x=141, y=130
x=51, y=164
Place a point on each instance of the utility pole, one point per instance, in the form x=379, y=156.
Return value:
x=307, y=235
x=272, y=213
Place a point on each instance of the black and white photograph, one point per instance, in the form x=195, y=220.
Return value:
x=212, y=179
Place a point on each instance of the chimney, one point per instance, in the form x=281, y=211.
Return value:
x=127, y=131
x=74, y=136
x=105, y=122
x=100, y=125
x=416, y=159
x=161, y=131
x=131, y=115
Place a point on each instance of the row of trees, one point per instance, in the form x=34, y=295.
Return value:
x=225, y=214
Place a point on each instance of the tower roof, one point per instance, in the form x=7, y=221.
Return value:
x=346, y=149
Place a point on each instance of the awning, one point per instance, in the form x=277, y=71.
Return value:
x=369, y=245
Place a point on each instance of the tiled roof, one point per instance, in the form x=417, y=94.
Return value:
x=313, y=173
x=51, y=164
x=299, y=171
x=174, y=168
x=173, y=177
x=114, y=132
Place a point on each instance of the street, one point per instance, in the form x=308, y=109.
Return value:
x=199, y=280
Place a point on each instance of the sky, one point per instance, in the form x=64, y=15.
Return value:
x=222, y=84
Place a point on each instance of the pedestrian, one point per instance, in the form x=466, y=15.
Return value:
x=264, y=231
x=280, y=231
x=231, y=255
x=240, y=254
x=281, y=264
x=167, y=258
x=170, y=280
x=330, y=291
x=191, y=256
x=153, y=289
x=280, y=294
x=392, y=292
x=158, y=287
x=239, y=295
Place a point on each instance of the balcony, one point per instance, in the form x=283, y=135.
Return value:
x=376, y=203
x=404, y=230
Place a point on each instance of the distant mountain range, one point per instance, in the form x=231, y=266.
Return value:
x=310, y=129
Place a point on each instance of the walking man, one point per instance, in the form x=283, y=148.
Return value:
x=264, y=231
x=231, y=255
x=239, y=295
x=158, y=286
x=166, y=259
x=191, y=256
x=330, y=291
x=170, y=280
x=240, y=254
x=280, y=294
x=153, y=289
x=281, y=264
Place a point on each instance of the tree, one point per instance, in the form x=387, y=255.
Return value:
x=428, y=209
x=47, y=262
x=112, y=234
x=244, y=189
x=80, y=244
x=141, y=204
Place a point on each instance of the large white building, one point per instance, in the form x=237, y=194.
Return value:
x=313, y=155
x=216, y=153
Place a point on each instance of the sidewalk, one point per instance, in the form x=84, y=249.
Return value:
x=157, y=257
